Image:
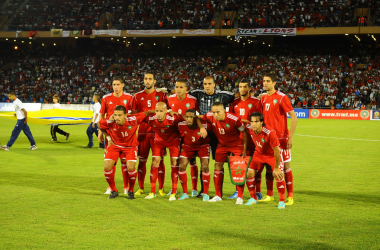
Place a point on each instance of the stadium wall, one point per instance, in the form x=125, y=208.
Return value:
x=6, y=107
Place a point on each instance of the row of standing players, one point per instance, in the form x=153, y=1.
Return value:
x=184, y=134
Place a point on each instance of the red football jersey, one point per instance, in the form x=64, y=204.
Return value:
x=192, y=137
x=265, y=141
x=275, y=108
x=244, y=109
x=110, y=102
x=167, y=130
x=124, y=136
x=190, y=102
x=143, y=101
x=227, y=131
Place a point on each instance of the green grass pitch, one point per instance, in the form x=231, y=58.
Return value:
x=52, y=198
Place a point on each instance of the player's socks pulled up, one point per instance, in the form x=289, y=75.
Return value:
x=124, y=172
x=161, y=175
x=174, y=175
x=289, y=181
x=206, y=182
x=110, y=178
x=132, y=180
x=153, y=179
x=240, y=190
x=184, y=196
x=281, y=189
x=269, y=180
x=251, y=201
x=218, y=178
x=141, y=169
x=251, y=187
x=183, y=180
x=258, y=180
x=194, y=176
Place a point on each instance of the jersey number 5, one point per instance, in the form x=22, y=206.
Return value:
x=149, y=102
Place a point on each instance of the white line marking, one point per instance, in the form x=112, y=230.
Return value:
x=352, y=139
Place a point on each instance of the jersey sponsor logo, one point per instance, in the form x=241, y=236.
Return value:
x=228, y=125
x=125, y=102
x=250, y=105
x=157, y=98
x=167, y=126
x=187, y=105
x=364, y=114
x=275, y=101
x=262, y=139
x=314, y=113
x=129, y=127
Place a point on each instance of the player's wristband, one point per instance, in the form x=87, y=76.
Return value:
x=109, y=138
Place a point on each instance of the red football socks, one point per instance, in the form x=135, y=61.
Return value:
x=141, y=172
x=110, y=178
x=258, y=180
x=281, y=189
x=183, y=179
x=289, y=181
x=251, y=187
x=269, y=179
x=240, y=189
x=153, y=179
x=174, y=175
x=206, y=182
x=194, y=176
x=161, y=175
x=218, y=178
x=132, y=179
x=124, y=171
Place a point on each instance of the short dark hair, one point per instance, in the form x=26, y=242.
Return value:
x=149, y=72
x=216, y=104
x=97, y=96
x=259, y=115
x=12, y=93
x=271, y=76
x=118, y=78
x=121, y=108
x=192, y=111
x=245, y=80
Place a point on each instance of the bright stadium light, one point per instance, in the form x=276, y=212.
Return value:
x=154, y=43
x=174, y=37
x=124, y=37
x=346, y=34
x=6, y=39
x=30, y=42
x=22, y=41
x=76, y=37
x=111, y=38
x=117, y=39
x=124, y=41
x=16, y=48
x=129, y=42
x=30, y=38
x=55, y=44
x=284, y=35
x=43, y=44
x=14, y=40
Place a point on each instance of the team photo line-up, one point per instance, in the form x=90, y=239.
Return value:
x=191, y=124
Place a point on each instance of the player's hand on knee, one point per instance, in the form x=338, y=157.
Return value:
x=277, y=174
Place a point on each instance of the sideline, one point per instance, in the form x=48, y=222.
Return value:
x=353, y=139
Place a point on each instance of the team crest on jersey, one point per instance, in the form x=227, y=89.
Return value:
x=228, y=125
x=129, y=127
x=198, y=133
x=217, y=100
x=275, y=101
x=187, y=105
x=125, y=102
x=249, y=105
x=262, y=139
x=167, y=126
x=157, y=98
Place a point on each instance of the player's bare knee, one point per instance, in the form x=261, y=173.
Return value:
x=251, y=173
x=108, y=165
x=219, y=165
x=173, y=161
x=286, y=165
x=131, y=166
x=156, y=161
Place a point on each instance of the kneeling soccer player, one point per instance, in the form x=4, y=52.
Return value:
x=194, y=144
x=267, y=152
x=121, y=136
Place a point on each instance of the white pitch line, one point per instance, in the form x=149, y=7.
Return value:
x=352, y=139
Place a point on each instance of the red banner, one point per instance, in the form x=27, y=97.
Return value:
x=339, y=114
x=32, y=33
x=238, y=169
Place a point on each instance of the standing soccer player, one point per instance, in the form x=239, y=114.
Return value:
x=267, y=153
x=242, y=107
x=143, y=101
x=122, y=142
x=206, y=98
x=275, y=107
x=22, y=124
x=227, y=128
x=180, y=103
x=109, y=103
x=54, y=129
x=193, y=144
x=93, y=127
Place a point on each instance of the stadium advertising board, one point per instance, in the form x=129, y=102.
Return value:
x=85, y=107
x=198, y=32
x=375, y=115
x=152, y=32
x=339, y=114
x=301, y=113
x=5, y=106
x=265, y=32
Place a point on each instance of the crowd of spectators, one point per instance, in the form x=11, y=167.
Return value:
x=297, y=13
x=192, y=14
x=310, y=77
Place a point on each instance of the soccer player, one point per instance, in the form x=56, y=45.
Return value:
x=93, y=127
x=180, y=103
x=206, y=98
x=121, y=137
x=109, y=103
x=54, y=129
x=22, y=124
x=267, y=152
x=193, y=144
x=143, y=101
x=227, y=128
x=275, y=107
x=242, y=107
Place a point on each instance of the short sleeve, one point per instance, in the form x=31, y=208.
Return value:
x=140, y=117
x=274, y=142
x=103, y=124
x=240, y=125
x=134, y=105
x=286, y=105
x=19, y=104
